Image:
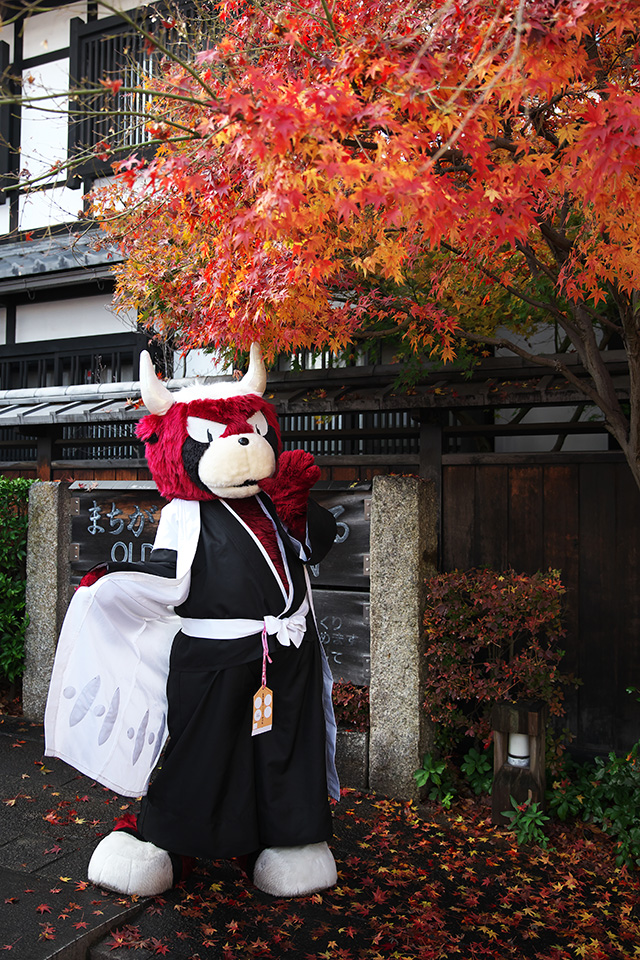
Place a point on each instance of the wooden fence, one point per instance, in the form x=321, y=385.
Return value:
x=579, y=514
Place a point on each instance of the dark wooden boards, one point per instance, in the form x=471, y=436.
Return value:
x=580, y=518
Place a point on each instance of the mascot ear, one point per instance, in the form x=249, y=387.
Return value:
x=149, y=428
x=155, y=396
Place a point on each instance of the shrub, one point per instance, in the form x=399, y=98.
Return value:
x=527, y=823
x=477, y=767
x=435, y=776
x=441, y=781
x=351, y=705
x=491, y=637
x=604, y=792
x=14, y=497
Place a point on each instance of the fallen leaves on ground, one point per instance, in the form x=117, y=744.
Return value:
x=10, y=698
x=415, y=884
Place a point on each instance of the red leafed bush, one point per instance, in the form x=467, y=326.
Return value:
x=490, y=637
x=351, y=705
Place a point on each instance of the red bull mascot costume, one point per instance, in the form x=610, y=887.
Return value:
x=212, y=642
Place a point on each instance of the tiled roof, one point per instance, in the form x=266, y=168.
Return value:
x=73, y=251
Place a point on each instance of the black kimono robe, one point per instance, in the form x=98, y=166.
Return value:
x=221, y=791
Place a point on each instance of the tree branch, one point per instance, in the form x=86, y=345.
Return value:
x=514, y=291
x=551, y=363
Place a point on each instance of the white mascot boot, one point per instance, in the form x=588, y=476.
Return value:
x=124, y=864
x=295, y=871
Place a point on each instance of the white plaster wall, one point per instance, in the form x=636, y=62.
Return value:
x=543, y=444
x=6, y=34
x=44, y=125
x=45, y=32
x=61, y=319
x=4, y=217
x=116, y=6
x=3, y=325
x=48, y=207
x=197, y=363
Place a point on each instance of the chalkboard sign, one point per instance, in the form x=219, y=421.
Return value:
x=343, y=626
x=118, y=521
x=112, y=523
x=347, y=564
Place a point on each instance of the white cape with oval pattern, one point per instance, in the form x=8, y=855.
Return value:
x=106, y=709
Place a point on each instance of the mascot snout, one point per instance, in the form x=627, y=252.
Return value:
x=232, y=466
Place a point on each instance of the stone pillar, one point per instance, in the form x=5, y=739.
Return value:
x=47, y=594
x=403, y=552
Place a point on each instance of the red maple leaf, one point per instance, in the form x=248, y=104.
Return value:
x=112, y=85
x=44, y=908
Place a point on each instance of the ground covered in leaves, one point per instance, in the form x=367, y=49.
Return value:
x=414, y=884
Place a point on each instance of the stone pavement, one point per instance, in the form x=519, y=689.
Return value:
x=51, y=818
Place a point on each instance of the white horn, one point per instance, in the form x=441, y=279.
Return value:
x=255, y=379
x=155, y=396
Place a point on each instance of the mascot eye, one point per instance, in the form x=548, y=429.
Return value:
x=204, y=431
x=259, y=423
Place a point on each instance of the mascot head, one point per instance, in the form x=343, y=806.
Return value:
x=209, y=441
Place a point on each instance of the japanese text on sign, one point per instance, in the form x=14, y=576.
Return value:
x=116, y=521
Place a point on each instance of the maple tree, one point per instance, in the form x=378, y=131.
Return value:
x=443, y=170
x=446, y=171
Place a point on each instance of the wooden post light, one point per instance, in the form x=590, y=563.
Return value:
x=519, y=755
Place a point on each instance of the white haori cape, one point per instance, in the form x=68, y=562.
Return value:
x=106, y=712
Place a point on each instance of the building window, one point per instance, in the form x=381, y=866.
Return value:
x=109, y=50
x=106, y=50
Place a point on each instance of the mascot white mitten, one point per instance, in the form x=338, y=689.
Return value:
x=213, y=642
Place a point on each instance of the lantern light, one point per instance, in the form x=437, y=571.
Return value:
x=519, y=730
x=518, y=751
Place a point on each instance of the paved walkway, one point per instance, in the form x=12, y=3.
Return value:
x=51, y=818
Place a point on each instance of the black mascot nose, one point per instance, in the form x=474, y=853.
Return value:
x=243, y=441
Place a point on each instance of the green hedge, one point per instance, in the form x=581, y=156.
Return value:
x=14, y=502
